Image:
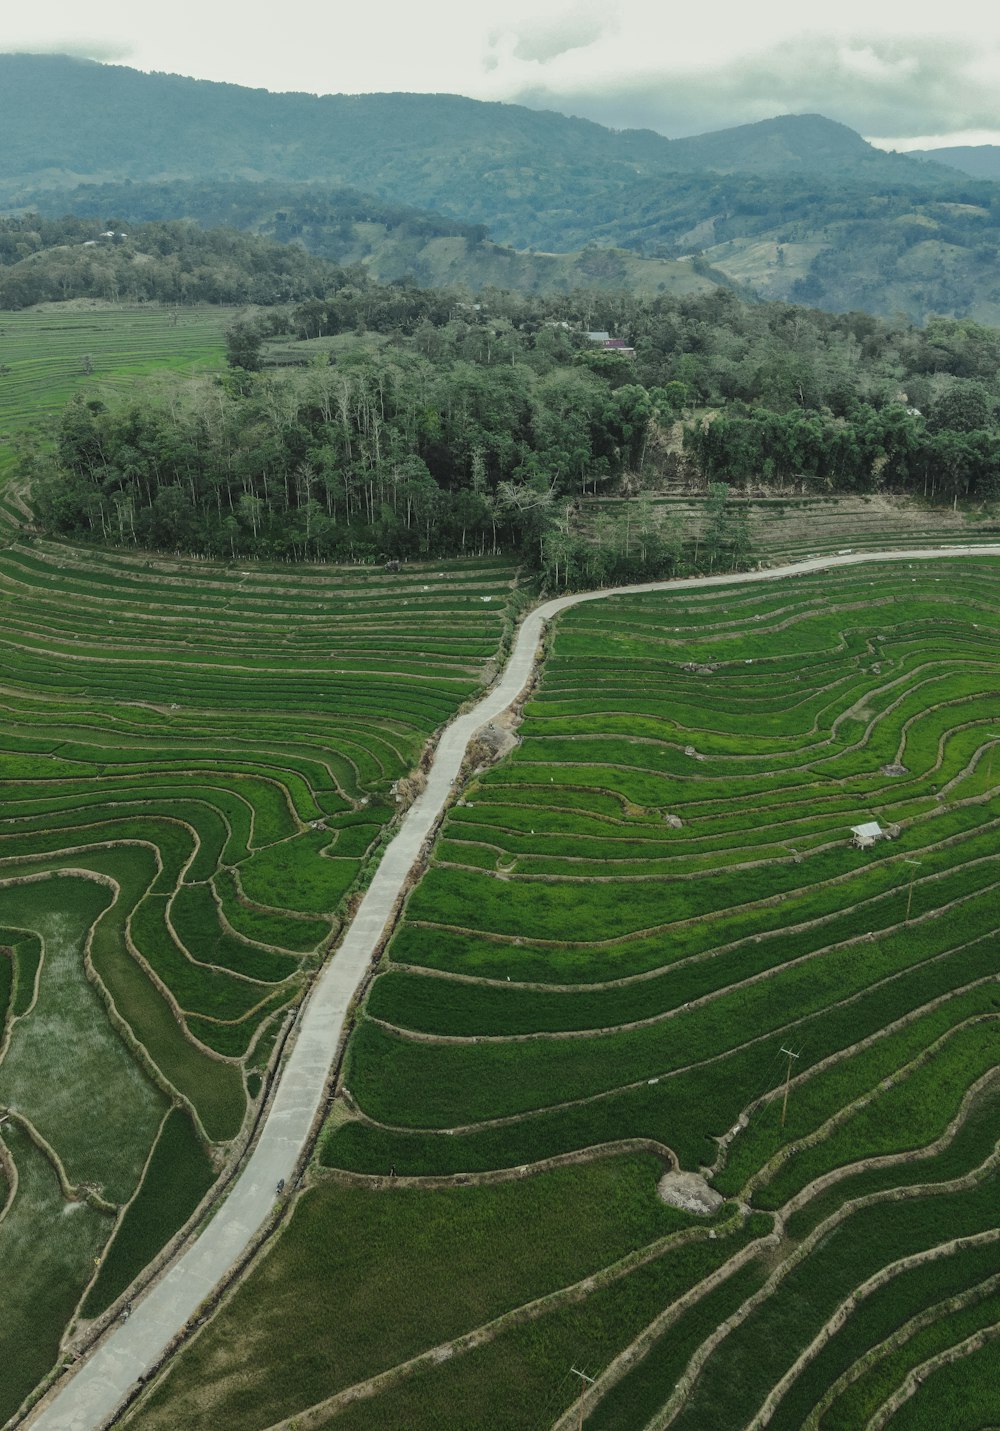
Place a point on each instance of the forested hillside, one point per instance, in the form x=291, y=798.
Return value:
x=423, y=425
x=981, y=161
x=169, y=260
x=51, y=260
x=797, y=208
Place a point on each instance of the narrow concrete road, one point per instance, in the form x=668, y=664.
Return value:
x=86, y=1399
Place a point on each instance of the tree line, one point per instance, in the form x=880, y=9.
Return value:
x=452, y=426
x=387, y=455
x=51, y=260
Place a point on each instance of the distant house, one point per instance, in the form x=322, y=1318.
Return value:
x=611, y=345
x=867, y=834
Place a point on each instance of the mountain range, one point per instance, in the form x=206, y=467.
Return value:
x=798, y=207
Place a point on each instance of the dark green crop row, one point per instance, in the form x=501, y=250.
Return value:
x=969, y=1383
x=925, y=1287
x=764, y=1344
x=177, y=1178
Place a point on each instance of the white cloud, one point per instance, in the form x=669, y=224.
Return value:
x=938, y=141
x=904, y=67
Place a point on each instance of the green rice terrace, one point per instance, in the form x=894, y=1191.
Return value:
x=50, y=352
x=790, y=526
x=646, y=942
x=198, y=766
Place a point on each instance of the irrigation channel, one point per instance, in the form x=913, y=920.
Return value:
x=89, y=1396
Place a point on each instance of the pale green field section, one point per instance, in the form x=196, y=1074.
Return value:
x=48, y=354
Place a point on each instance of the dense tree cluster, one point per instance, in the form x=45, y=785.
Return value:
x=49, y=260
x=391, y=454
x=458, y=426
x=320, y=218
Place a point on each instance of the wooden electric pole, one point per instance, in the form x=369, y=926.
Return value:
x=788, y=1079
x=585, y=1381
x=909, y=897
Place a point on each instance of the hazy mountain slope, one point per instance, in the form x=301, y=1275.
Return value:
x=797, y=207
x=797, y=144
x=981, y=161
x=63, y=118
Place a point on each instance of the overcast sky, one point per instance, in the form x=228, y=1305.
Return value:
x=903, y=72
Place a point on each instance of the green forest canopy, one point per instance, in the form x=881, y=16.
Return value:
x=468, y=425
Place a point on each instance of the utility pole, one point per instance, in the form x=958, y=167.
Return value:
x=788, y=1079
x=909, y=897
x=585, y=1381
x=994, y=735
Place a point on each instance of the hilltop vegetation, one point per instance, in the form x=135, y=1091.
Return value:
x=837, y=241
x=393, y=242
x=51, y=260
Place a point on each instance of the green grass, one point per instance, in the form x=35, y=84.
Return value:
x=641, y=1393
x=45, y=351
x=195, y=919
x=47, y=1249
x=737, y=1377
x=972, y=1144
x=296, y=875
x=267, y=926
x=525, y=1378
x=925, y=1292
x=66, y=1068
x=177, y=1178
x=6, y=983
x=573, y=969
x=403, y=1270
x=969, y=1383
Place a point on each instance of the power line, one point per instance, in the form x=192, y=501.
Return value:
x=585, y=1381
x=788, y=1079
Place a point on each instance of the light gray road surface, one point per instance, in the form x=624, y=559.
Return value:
x=86, y=1399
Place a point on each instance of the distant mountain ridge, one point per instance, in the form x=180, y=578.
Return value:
x=797, y=208
x=979, y=161
x=66, y=120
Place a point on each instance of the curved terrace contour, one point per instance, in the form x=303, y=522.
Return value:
x=90, y=1396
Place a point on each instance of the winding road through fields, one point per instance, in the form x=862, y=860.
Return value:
x=88, y=1398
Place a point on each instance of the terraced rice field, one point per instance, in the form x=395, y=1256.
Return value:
x=197, y=767
x=646, y=940
x=786, y=528
x=50, y=352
